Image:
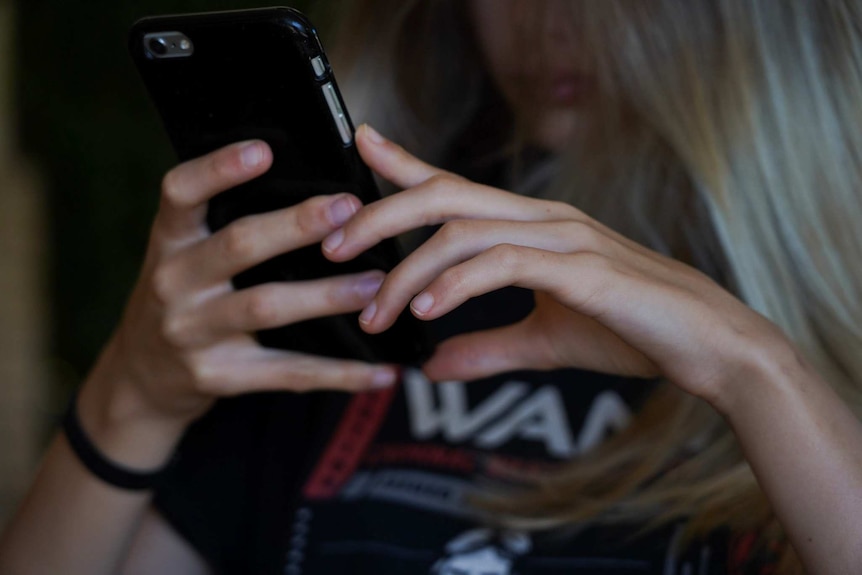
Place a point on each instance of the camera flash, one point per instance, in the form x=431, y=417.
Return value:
x=185, y=45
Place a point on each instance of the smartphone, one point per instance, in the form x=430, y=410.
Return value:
x=223, y=77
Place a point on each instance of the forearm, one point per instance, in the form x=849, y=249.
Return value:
x=71, y=521
x=805, y=447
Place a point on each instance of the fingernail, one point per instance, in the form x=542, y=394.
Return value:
x=341, y=210
x=383, y=378
x=374, y=135
x=251, y=154
x=368, y=286
x=368, y=313
x=332, y=243
x=423, y=303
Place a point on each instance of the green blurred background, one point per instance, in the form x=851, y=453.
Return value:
x=82, y=154
x=101, y=152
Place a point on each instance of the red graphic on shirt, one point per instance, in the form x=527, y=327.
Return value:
x=744, y=553
x=436, y=456
x=362, y=419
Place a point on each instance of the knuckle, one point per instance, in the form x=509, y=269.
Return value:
x=238, y=242
x=302, y=375
x=309, y=220
x=222, y=164
x=340, y=294
x=342, y=376
x=442, y=182
x=162, y=284
x=507, y=256
x=582, y=235
x=175, y=331
x=172, y=189
x=452, y=280
x=206, y=378
x=200, y=373
x=563, y=209
x=311, y=217
x=453, y=231
x=306, y=374
x=356, y=379
x=260, y=307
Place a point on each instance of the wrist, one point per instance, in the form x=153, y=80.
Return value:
x=120, y=422
x=761, y=373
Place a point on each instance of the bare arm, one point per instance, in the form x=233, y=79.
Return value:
x=71, y=522
x=158, y=549
x=142, y=542
x=805, y=447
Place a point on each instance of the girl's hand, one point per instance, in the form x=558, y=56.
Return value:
x=603, y=302
x=186, y=336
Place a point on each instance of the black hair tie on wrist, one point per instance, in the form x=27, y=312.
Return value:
x=98, y=464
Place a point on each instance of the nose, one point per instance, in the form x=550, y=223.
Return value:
x=559, y=26
x=559, y=39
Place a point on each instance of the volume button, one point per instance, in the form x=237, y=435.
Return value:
x=337, y=113
x=344, y=129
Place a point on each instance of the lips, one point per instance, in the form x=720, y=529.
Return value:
x=558, y=89
x=568, y=89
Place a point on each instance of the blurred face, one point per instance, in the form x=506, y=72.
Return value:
x=532, y=54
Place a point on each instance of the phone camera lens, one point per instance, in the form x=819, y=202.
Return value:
x=158, y=46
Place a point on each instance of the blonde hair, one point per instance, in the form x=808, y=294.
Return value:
x=730, y=137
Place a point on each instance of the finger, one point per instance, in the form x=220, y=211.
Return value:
x=617, y=306
x=484, y=353
x=536, y=343
x=251, y=240
x=271, y=305
x=460, y=240
x=579, y=280
x=441, y=196
x=438, y=200
x=187, y=188
x=392, y=161
x=244, y=369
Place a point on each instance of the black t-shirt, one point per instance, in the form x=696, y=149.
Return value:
x=377, y=483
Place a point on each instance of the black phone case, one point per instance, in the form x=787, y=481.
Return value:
x=250, y=76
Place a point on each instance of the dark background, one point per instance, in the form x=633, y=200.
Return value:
x=86, y=123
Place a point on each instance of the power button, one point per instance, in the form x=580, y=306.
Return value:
x=318, y=66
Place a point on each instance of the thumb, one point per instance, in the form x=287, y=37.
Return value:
x=391, y=161
x=485, y=353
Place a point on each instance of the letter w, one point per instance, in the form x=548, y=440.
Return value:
x=452, y=418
